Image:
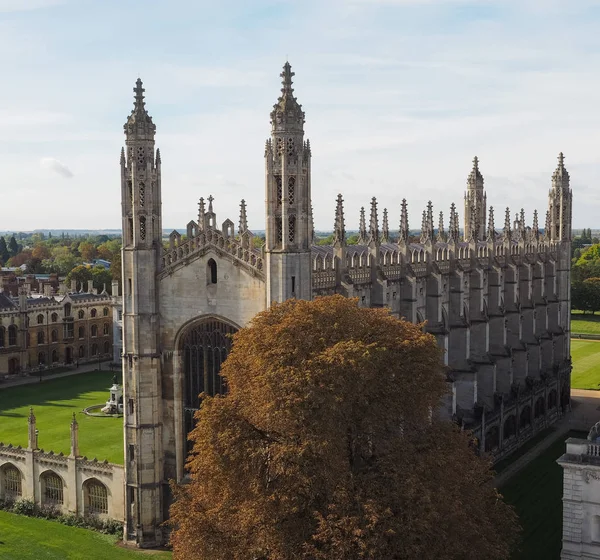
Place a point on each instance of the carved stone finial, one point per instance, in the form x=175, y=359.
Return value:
x=287, y=114
x=339, y=227
x=385, y=228
x=535, y=230
x=404, y=232
x=31, y=417
x=362, y=228
x=158, y=160
x=210, y=204
x=560, y=177
x=491, y=232
x=373, y=222
x=201, y=213
x=243, y=225
x=139, y=121
x=122, y=156
x=454, y=229
x=441, y=234
x=507, y=228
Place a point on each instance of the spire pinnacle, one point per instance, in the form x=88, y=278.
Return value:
x=158, y=156
x=560, y=177
x=139, y=122
x=404, y=232
x=362, y=228
x=243, y=226
x=139, y=104
x=287, y=114
x=454, y=231
x=507, y=230
x=491, y=233
x=385, y=229
x=441, y=234
x=427, y=224
x=373, y=222
x=286, y=79
x=210, y=204
x=535, y=230
x=201, y=213
x=339, y=228
x=548, y=226
x=122, y=156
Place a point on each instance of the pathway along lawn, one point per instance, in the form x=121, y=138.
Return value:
x=27, y=538
x=536, y=493
x=586, y=364
x=54, y=402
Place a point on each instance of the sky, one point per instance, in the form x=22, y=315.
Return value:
x=399, y=96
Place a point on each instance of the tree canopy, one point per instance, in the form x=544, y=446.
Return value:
x=327, y=447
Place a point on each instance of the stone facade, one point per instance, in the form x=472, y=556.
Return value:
x=497, y=301
x=71, y=484
x=38, y=332
x=581, y=499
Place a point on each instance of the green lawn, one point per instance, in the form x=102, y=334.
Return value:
x=54, y=402
x=26, y=538
x=585, y=324
x=586, y=364
x=536, y=493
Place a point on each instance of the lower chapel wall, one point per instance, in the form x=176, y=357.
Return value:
x=70, y=484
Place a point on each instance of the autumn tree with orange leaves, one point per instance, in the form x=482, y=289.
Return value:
x=326, y=448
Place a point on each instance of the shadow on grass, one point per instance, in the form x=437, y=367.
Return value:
x=51, y=392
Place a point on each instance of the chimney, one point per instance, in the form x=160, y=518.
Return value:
x=115, y=288
x=73, y=286
x=48, y=290
x=90, y=286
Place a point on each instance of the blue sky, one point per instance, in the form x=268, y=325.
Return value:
x=399, y=96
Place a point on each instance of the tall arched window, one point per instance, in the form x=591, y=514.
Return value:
x=94, y=330
x=211, y=271
x=93, y=313
x=95, y=496
x=204, y=348
x=41, y=358
x=81, y=352
x=40, y=319
x=107, y=347
x=106, y=329
x=54, y=335
x=40, y=337
x=81, y=332
x=52, y=489
x=67, y=309
x=94, y=349
x=2, y=337
x=12, y=335
x=54, y=356
x=54, y=317
x=105, y=312
x=11, y=486
x=81, y=314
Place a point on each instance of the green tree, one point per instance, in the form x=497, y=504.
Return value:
x=81, y=274
x=13, y=247
x=325, y=448
x=102, y=278
x=325, y=240
x=87, y=251
x=4, y=253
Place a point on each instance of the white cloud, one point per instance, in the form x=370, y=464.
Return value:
x=56, y=166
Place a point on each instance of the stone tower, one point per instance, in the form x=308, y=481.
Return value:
x=288, y=199
x=142, y=232
x=559, y=225
x=475, y=205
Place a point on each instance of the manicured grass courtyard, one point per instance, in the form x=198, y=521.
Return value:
x=536, y=494
x=26, y=538
x=54, y=402
x=586, y=364
x=585, y=324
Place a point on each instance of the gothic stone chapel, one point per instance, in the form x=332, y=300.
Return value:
x=497, y=300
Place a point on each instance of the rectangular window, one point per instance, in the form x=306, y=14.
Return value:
x=130, y=406
x=131, y=452
x=120, y=315
x=293, y=284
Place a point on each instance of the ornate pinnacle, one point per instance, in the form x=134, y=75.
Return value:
x=158, y=156
x=201, y=212
x=139, y=120
x=475, y=163
x=31, y=417
x=441, y=234
x=243, y=226
x=122, y=156
x=548, y=226
x=560, y=178
x=139, y=104
x=312, y=226
x=362, y=228
x=210, y=205
x=507, y=230
x=522, y=219
x=268, y=147
x=339, y=228
x=561, y=160
x=385, y=229
x=403, y=222
x=424, y=227
x=286, y=79
x=475, y=179
x=535, y=230
x=74, y=420
x=491, y=232
x=373, y=222
x=453, y=228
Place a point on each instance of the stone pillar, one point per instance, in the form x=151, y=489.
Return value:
x=74, y=437
x=32, y=441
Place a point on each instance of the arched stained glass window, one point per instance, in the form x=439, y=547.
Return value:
x=204, y=348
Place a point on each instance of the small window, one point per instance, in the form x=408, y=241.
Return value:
x=81, y=314
x=81, y=352
x=107, y=347
x=105, y=312
x=40, y=319
x=40, y=337
x=212, y=271
x=131, y=452
x=130, y=406
x=54, y=335
x=81, y=332
x=94, y=349
x=93, y=313
x=54, y=317
x=67, y=310
x=120, y=315
x=94, y=330
x=106, y=329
